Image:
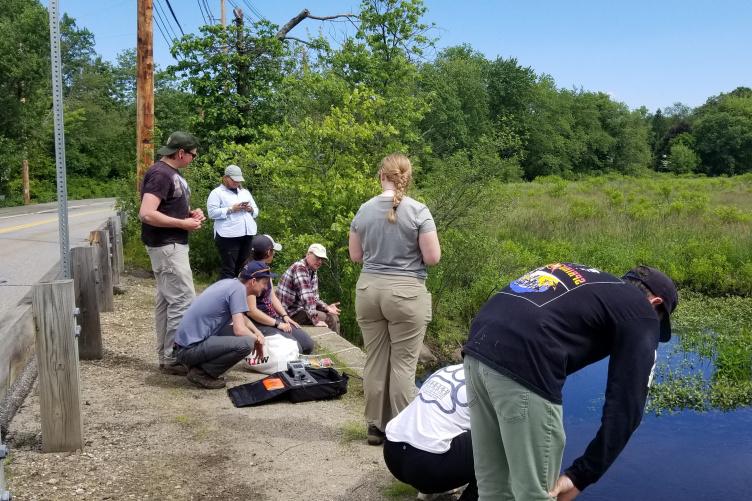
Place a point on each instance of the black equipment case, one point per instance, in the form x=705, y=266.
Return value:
x=322, y=384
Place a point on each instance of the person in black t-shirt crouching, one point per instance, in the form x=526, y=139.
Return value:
x=526, y=340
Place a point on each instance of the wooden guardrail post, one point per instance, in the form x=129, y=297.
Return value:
x=101, y=242
x=116, y=240
x=84, y=281
x=57, y=357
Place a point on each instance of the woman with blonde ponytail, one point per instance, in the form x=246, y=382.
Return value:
x=394, y=236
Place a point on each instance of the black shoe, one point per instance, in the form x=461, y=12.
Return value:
x=174, y=369
x=204, y=380
x=374, y=435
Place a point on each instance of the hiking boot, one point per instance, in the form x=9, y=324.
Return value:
x=174, y=369
x=204, y=380
x=374, y=435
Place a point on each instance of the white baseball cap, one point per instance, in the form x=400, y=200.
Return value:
x=318, y=250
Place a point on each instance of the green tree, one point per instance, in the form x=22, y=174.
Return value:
x=24, y=90
x=673, y=121
x=682, y=159
x=511, y=92
x=231, y=73
x=458, y=109
x=723, y=133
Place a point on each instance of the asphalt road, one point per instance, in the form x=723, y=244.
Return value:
x=30, y=247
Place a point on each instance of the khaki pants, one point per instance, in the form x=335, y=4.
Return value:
x=392, y=312
x=172, y=270
x=518, y=436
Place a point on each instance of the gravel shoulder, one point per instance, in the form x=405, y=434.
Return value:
x=153, y=436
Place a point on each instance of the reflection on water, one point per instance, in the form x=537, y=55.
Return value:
x=685, y=455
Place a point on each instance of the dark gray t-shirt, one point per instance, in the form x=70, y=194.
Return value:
x=211, y=311
x=392, y=248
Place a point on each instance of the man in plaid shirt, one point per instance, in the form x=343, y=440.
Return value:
x=298, y=289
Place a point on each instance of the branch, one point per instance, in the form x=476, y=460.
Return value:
x=305, y=13
x=309, y=44
x=284, y=30
x=328, y=18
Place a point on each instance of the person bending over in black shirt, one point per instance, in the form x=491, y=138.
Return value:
x=526, y=340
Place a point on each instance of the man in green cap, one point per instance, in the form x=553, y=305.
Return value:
x=166, y=219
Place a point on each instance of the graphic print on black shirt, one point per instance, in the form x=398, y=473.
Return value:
x=552, y=281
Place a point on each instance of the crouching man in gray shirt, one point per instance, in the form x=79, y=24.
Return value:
x=213, y=334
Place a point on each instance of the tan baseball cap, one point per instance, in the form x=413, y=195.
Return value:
x=318, y=250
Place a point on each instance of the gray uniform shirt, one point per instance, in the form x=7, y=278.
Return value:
x=211, y=311
x=392, y=248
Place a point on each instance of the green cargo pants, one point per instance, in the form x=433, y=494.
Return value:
x=518, y=437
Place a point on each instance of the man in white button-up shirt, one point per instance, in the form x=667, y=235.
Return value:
x=233, y=211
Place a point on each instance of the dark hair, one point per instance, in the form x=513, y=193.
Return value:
x=259, y=254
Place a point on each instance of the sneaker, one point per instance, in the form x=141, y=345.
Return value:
x=374, y=435
x=174, y=369
x=422, y=496
x=204, y=380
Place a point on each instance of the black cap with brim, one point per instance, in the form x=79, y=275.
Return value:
x=661, y=286
x=178, y=140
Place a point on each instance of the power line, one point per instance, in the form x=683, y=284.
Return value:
x=159, y=11
x=201, y=8
x=161, y=31
x=253, y=9
x=175, y=17
x=209, y=12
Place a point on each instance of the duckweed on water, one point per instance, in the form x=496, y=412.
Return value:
x=715, y=334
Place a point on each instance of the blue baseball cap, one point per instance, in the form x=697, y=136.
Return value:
x=256, y=269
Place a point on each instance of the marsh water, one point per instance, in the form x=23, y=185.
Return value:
x=679, y=455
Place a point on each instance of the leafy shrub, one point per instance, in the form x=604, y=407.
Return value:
x=682, y=159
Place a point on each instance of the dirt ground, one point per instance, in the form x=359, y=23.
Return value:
x=153, y=436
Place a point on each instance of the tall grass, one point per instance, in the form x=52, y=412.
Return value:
x=698, y=230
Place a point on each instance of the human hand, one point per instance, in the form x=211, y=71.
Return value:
x=190, y=224
x=292, y=322
x=320, y=323
x=333, y=308
x=285, y=327
x=564, y=489
x=258, y=345
x=198, y=214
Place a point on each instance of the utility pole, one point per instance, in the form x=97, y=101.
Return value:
x=25, y=178
x=242, y=67
x=222, y=12
x=144, y=90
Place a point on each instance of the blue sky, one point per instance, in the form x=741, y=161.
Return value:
x=651, y=53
